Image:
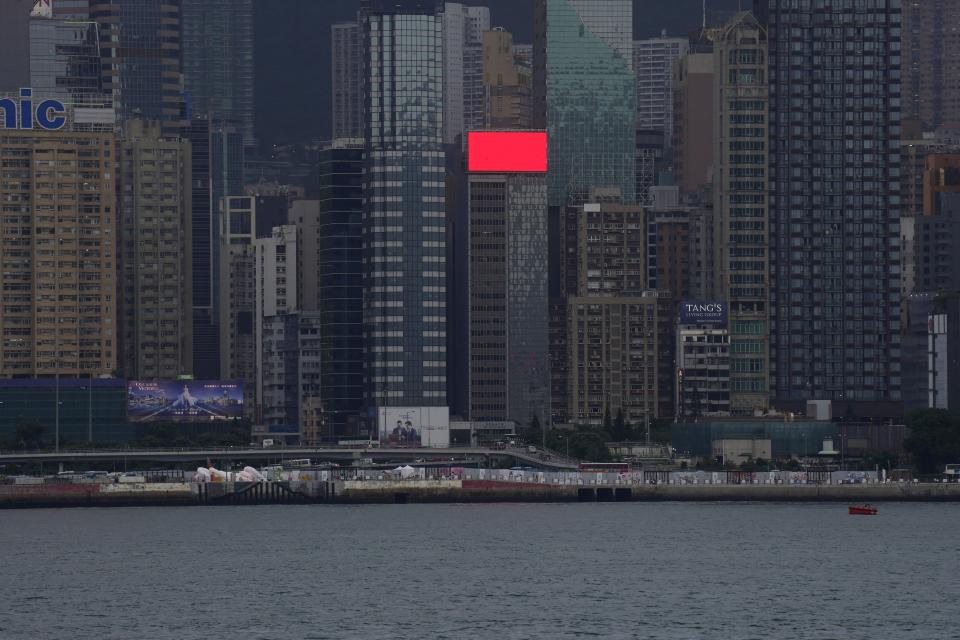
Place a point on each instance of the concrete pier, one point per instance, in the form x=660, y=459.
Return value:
x=450, y=491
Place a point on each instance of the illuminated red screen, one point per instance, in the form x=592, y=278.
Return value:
x=507, y=151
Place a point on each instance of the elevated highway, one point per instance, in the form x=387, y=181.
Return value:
x=80, y=460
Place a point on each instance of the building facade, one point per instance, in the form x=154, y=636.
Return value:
x=703, y=371
x=58, y=239
x=653, y=63
x=346, y=66
x=509, y=375
x=154, y=208
x=740, y=193
x=217, y=54
x=834, y=217
x=693, y=120
x=612, y=358
x=507, y=83
x=339, y=284
x=404, y=227
x=140, y=44
x=463, y=98
x=930, y=50
x=585, y=96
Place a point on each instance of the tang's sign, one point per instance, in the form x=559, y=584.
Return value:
x=703, y=312
x=22, y=114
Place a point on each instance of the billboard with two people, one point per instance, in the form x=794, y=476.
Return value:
x=414, y=426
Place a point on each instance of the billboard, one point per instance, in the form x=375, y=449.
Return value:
x=507, y=151
x=414, y=426
x=184, y=400
x=713, y=312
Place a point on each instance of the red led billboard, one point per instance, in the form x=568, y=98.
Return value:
x=507, y=151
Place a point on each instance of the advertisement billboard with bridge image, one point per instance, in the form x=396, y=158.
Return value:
x=184, y=400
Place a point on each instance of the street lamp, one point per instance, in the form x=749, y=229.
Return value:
x=566, y=440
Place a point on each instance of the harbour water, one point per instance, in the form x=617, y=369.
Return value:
x=633, y=570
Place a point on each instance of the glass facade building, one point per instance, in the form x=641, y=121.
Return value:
x=218, y=60
x=339, y=284
x=834, y=175
x=509, y=323
x=404, y=227
x=585, y=95
x=140, y=53
x=65, y=61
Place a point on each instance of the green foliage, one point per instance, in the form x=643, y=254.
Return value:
x=183, y=435
x=934, y=439
x=28, y=436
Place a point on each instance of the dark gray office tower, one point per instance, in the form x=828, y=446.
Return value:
x=217, y=57
x=346, y=67
x=834, y=206
x=404, y=226
x=339, y=285
x=206, y=340
x=140, y=49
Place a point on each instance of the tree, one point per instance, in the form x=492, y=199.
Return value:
x=534, y=432
x=934, y=439
x=618, y=432
x=29, y=436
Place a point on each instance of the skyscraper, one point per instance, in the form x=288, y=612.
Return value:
x=931, y=56
x=509, y=374
x=217, y=54
x=140, y=51
x=156, y=311
x=463, y=29
x=585, y=95
x=653, y=63
x=346, y=66
x=740, y=267
x=834, y=205
x=339, y=275
x=693, y=120
x=404, y=226
x=65, y=60
x=507, y=83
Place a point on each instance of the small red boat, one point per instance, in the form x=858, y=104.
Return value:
x=863, y=510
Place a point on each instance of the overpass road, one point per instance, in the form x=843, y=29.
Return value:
x=84, y=459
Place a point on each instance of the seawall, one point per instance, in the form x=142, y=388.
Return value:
x=450, y=491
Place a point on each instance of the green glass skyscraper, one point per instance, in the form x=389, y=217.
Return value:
x=585, y=95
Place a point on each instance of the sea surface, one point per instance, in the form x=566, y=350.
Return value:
x=634, y=570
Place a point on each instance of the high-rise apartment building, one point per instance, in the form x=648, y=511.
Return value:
x=58, y=241
x=653, y=64
x=275, y=300
x=463, y=96
x=507, y=83
x=740, y=193
x=346, y=66
x=217, y=54
x=930, y=50
x=154, y=208
x=242, y=220
x=834, y=206
x=612, y=361
x=509, y=374
x=404, y=226
x=693, y=120
x=140, y=50
x=585, y=95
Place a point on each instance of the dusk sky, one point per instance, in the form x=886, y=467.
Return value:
x=293, y=52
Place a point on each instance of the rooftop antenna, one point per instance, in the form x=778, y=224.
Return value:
x=704, y=15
